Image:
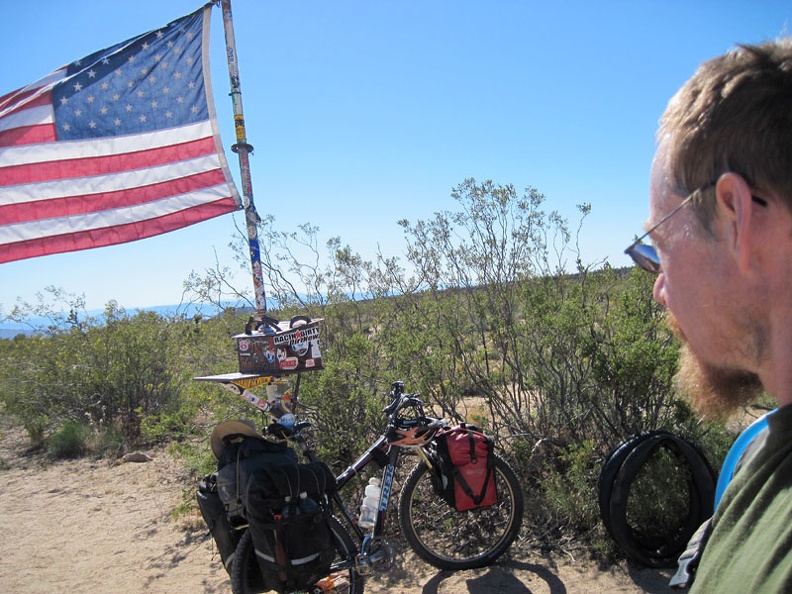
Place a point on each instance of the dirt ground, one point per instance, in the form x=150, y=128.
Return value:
x=88, y=526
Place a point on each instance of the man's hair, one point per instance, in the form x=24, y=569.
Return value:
x=734, y=114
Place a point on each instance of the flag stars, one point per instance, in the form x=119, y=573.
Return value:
x=117, y=100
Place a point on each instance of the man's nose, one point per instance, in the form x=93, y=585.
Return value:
x=659, y=290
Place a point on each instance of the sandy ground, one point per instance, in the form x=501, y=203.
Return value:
x=87, y=526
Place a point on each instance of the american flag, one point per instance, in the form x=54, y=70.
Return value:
x=118, y=146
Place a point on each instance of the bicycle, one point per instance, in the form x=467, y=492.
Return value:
x=439, y=534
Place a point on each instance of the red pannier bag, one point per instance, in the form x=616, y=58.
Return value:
x=467, y=467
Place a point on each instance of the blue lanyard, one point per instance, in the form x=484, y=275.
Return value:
x=736, y=451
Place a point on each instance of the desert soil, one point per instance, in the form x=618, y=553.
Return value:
x=88, y=526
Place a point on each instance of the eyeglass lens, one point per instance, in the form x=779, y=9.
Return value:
x=645, y=256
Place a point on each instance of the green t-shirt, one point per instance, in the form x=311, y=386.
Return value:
x=750, y=548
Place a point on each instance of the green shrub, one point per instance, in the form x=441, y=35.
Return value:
x=569, y=485
x=69, y=441
x=107, y=442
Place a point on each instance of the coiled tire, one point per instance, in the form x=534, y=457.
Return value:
x=619, y=475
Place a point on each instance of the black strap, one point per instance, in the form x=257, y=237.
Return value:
x=472, y=443
x=490, y=465
x=689, y=560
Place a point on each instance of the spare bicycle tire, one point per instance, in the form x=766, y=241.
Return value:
x=626, y=462
x=610, y=469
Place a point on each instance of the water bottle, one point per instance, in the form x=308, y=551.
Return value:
x=287, y=421
x=368, y=510
x=307, y=505
x=289, y=509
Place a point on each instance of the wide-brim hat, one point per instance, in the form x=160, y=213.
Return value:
x=223, y=430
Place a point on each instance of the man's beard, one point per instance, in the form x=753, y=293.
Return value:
x=715, y=392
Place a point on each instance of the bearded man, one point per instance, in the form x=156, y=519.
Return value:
x=721, y=244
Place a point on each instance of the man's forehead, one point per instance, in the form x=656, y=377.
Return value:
x=659, y=170
x=659, y=176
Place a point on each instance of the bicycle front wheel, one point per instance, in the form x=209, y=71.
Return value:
x=246, y=576
x=451, y=539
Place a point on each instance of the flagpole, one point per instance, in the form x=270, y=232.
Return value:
x=242, y=148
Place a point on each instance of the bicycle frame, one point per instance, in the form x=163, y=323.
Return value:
x=386, y=454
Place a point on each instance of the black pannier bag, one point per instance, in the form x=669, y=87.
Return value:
x=465, y=477
x=238, y=460
x=220, y=493
x=214, y=514
x=288, y=520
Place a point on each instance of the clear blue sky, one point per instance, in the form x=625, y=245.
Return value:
x=365, y=112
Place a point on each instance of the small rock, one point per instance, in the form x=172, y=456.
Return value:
x=136, y=457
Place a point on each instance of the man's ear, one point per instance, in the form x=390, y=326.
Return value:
x=734, y=202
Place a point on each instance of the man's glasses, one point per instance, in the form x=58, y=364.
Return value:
x=644, y=255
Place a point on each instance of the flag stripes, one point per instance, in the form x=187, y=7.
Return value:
x=119, y=146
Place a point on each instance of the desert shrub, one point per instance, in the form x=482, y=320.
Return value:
x=568, y=483
x=112, y=372
x=69, y=441
x=106, y=442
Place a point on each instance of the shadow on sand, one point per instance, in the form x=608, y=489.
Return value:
x=517, y=577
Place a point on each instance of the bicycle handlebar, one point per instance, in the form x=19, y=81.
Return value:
x=401, y=401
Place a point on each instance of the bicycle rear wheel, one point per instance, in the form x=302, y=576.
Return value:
x=450, y=539
x=246, y=577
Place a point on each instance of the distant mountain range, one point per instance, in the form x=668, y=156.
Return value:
x=9, y=330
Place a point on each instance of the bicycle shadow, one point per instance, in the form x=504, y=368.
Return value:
x=501, y=579
x=520, y=577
